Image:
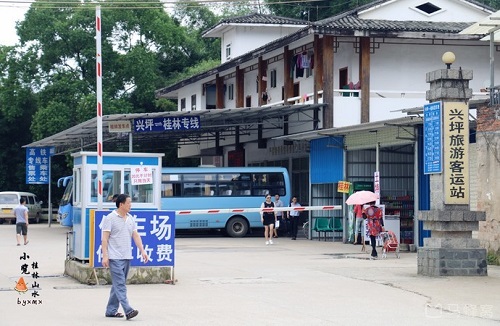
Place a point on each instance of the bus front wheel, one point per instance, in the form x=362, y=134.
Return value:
x=237, y=227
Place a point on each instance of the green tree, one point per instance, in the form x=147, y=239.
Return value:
x=17, y=105
x=197, y=18
x=47, y=82
x=141, y=47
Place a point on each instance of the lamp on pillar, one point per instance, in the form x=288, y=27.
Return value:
x=448, y=58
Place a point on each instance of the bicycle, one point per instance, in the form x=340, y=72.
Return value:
x=305, y=228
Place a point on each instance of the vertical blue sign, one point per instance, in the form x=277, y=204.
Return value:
x=37, y=164
x=157, y=231
x=433, y=147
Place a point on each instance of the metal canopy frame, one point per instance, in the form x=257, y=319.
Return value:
x=342, y=131
x=222, y=121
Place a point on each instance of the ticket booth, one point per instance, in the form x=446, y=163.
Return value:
x=128, y=173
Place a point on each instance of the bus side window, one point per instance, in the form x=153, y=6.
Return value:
x=177, y=190
x=192, y=190
x=274, y=179
x=171, y=190
x=209, y=189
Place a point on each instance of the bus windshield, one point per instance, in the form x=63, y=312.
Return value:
x=65, y=210
x=66, y=197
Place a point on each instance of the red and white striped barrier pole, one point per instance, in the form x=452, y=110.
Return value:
x=98, y=58
x=258, y=210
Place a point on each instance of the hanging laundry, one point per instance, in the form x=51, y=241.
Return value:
x=304, y=61
x=299, y=71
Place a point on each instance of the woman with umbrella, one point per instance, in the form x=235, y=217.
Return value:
x=373, y=213
x=375, y=225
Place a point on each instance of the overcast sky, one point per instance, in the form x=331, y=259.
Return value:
x=10, y=13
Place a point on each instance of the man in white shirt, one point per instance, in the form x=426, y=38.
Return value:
x=118, y=228
x=21, y=214
x=293, y=216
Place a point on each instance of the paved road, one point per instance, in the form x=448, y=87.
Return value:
x=225, y=281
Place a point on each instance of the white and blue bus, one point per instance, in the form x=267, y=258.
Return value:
x=203, y=188
x=65, y=210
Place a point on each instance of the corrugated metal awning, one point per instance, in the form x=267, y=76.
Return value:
x=84, y=134
x=385, y=133
x=342, y=131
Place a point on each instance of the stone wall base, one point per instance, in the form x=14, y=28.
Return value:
x=452, y=262
x=137, y=275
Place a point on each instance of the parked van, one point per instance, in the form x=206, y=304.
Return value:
x=10, y=199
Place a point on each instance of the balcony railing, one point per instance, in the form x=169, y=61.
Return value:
x=384, y=104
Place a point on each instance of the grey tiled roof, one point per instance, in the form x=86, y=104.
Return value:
x=257, y=18
x=354, y=23
x=375, y=3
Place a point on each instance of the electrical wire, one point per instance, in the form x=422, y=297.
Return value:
x=147, y=4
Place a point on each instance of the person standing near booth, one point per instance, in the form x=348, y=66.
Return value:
x=268, y=219
x=293, y=216
x=279, y=215
x=118, y=228
x=358, y=229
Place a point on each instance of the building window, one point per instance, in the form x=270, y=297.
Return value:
x=273, y=78
x=228, y=51
x=230, y=92
x=193, y=102
x=183, y=104
x=428, y=8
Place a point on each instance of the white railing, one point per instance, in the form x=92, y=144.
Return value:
x=398, y=99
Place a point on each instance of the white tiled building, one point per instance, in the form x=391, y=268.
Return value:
x=385, y=48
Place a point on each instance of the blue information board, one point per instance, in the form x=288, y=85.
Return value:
x=157, y=231
x=38, y=164
x=182, y=123
x=433, y=147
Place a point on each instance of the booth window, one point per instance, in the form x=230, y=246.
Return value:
x=142, y=193
x=111, y=184
x=77, y=182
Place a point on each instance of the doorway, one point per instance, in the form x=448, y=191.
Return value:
x=343, y=77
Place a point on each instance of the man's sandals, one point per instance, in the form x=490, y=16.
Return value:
x=116, y=315
x=132, y=314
